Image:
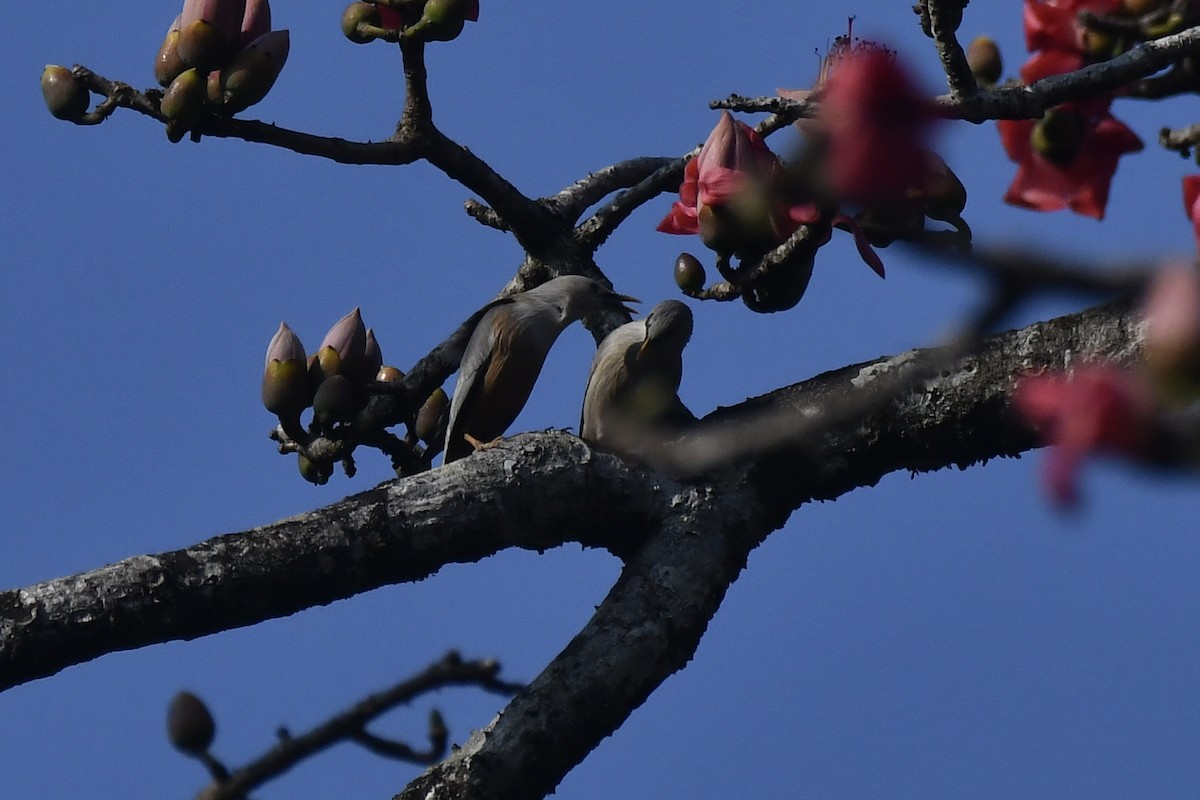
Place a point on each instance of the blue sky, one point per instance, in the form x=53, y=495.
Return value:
x=948, y=635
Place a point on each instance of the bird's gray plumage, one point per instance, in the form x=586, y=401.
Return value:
x=506, y=351
x=632, y=390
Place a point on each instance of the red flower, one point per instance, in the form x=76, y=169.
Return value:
x=1076, y=154
x=877, y=124
x=1068, y=158
x=1055, y=25
x=1099, y=408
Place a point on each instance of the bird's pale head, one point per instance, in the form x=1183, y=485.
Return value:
x=669, y=326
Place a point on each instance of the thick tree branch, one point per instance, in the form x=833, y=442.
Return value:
x=647, y=628
x=650, y=623
x=536, y=492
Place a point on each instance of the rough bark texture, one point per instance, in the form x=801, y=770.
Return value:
x=683, y=542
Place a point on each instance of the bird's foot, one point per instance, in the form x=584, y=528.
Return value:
x=478, y=445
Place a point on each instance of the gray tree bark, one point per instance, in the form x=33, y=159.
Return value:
x=683, y=540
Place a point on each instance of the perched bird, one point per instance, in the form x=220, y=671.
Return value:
x=632, y=388
x=506, y=351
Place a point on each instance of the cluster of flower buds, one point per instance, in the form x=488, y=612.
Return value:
x=220, y=56
x=427, y=21
x=336, y=382
x=1108, y=409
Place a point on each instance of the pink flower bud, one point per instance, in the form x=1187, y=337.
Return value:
x=343, y=350
x=255, y=22
x=224, y=15
x=285, y=385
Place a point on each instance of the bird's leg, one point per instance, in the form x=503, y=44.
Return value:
x=478, y=445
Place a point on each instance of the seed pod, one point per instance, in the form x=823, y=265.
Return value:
x=190, y=726
x=689, y=273
x=388, y=374
x=431, y=419
x=983, y=56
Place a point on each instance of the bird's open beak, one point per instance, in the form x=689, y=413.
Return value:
x=624, y=298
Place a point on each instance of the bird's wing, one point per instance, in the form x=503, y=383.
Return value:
x=608, y=372
x=476, y=357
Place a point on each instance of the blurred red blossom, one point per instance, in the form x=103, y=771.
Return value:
x=877, y=124
x=1097, y=408
x=1191, y=202
x=1171, y=310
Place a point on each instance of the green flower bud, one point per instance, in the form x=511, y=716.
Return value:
x=689, y=273
x=190, y=726
x=200, y=45
x=945, y=196
x=167, y=64
x=334, y=400
x=183, y=101
x=781, y=288
x=358, y=20
x=1058, y=135
x=312, y=472
x=252, y=72
x=65, y=95
x=442, y=20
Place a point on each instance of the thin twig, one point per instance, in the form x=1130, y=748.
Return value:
x=451, y=670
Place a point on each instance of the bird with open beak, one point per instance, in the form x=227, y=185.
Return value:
x=631, y=403
x=506, y=351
